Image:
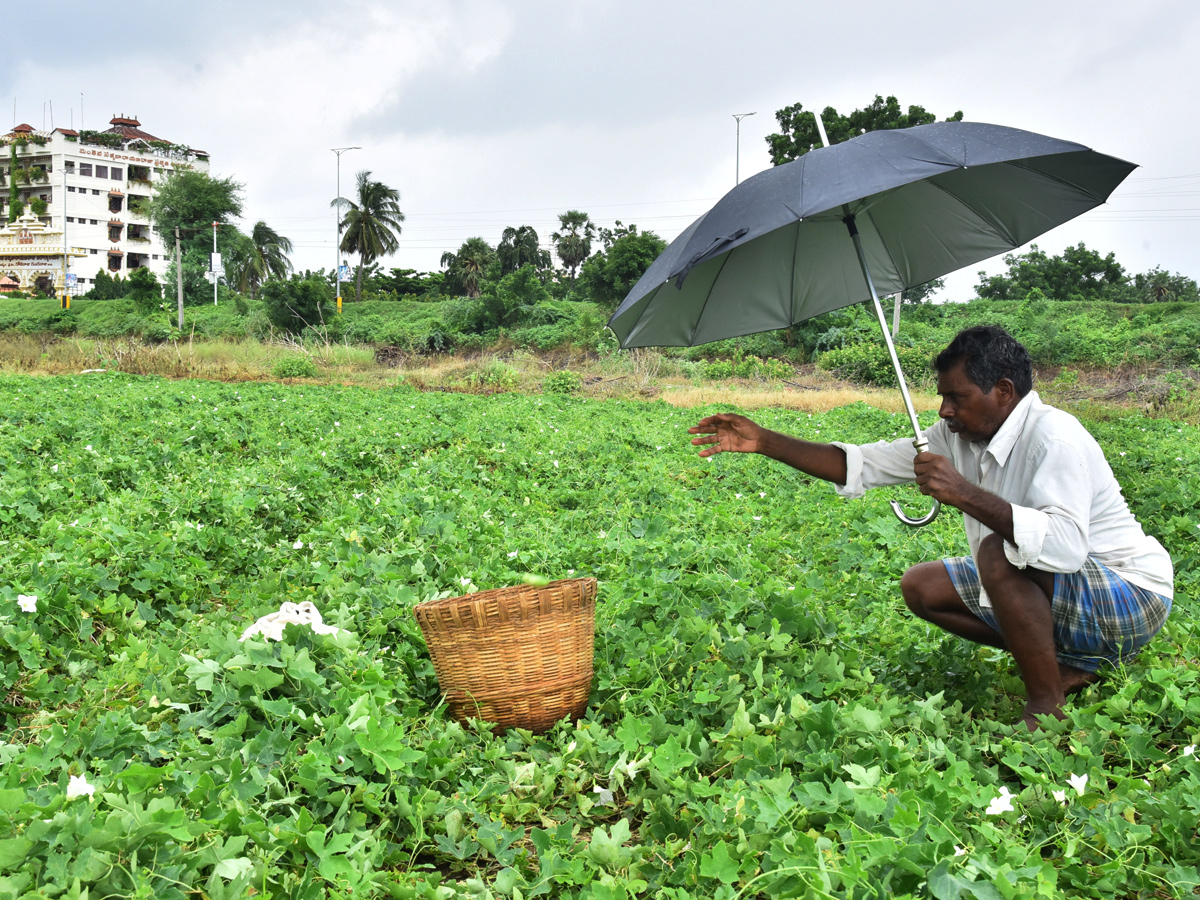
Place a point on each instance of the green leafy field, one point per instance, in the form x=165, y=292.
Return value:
x=766, y=719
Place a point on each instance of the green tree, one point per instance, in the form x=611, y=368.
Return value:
x=1158, y=286
x=465, y=269
x=610, y=274
x=798, y=132
x=297, y=303
x=1076, y=274
x=519, y=247
x=372, y=223
x=192, y=200
x=105, y=287
x=144, y=290
x=573, y=243
x=410, y=282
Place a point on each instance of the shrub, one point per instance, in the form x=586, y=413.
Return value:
x=297, y=304
x=871, y=364
x=294, y=365
x=718, y=370
x=564, y=382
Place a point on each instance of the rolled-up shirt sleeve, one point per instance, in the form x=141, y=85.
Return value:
x=1050, y=527
x=874, y=465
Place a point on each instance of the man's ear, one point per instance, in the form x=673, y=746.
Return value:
x=1006, y=391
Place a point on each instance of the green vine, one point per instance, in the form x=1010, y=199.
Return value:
x=14, y=193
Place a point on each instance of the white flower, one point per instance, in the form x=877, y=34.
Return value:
x=1189, y=750
x=606, y=796
x=299, y=545
x=603, y=534
x=1001, y=804
x=762, y=493
x=27, y=602
x=1060, y=796
x=336, y=424
x=758, y=518
x=54, y=468
x=78, y=786
x=556, y=463
x=959, y=851
x=1079, y=782
x=571, y=747
x=464, y=581
x=737, y=496
x=513, y=554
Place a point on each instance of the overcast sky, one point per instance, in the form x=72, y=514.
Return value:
x=490, y=113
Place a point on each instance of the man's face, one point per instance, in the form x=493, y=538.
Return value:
x=969, y=412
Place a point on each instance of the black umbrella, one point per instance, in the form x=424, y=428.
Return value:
x=880, y=213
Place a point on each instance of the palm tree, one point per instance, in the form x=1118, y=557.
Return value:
x=467, y=267
x=372, y=224
x=519, y=247
x=574, y=243
x=266, y=257
x=1159, y=288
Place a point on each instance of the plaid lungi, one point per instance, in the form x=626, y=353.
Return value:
x=1099, y=617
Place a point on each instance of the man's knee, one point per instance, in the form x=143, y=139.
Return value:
x=991, y=562
x=916, y=588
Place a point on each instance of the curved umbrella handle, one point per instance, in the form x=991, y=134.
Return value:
x=917, y=523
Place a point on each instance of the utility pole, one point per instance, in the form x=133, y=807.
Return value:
x=215, y=262
x=337, y=250
x=179, y=276
x=737, y=162
x=65, y=299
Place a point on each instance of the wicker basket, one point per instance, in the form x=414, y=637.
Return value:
x=519, y=656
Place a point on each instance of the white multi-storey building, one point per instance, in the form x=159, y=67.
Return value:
x=94, y=185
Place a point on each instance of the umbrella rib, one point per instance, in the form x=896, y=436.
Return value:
x=708, y=297
x=997, y=227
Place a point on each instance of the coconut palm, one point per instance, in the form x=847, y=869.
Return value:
x=519, y=247
x=266, y=256
x=1159, y=287
x=372, y=224
x=574, y=243
x=465, y=269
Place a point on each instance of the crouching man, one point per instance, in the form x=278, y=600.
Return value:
x=1060, y=575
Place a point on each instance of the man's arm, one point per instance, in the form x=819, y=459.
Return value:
x=730, y=433
x=937, y=478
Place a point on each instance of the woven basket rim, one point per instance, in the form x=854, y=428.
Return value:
x=429, y=606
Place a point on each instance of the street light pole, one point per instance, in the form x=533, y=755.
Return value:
x=337, y=249
x=738, y=158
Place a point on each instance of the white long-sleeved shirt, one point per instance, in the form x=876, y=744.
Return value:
x=1066, y=503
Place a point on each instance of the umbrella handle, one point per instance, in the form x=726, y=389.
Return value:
x=917, y=523
x=921, y=444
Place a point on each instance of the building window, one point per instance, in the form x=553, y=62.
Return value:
x=93, y=252
x=154, y=256
x=70, y=218
x=96, y=192
x=70, y=189
x=116, y=174
x=101, y=171
x=85, y=168
x=93, y=221
x=69, y=165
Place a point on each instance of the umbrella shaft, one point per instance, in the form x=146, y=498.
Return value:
x=887, y=337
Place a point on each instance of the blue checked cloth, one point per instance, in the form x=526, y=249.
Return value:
x=1098, y=616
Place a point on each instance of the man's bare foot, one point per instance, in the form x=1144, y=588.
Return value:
x=1074, y=680
x=1029, y=717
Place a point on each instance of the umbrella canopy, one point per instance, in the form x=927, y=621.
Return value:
x=925, y=201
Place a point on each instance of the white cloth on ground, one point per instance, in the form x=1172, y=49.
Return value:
x=271, y=625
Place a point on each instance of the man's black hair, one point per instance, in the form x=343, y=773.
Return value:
x=989, y=353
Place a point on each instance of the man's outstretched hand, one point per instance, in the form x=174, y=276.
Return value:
x=727, y=432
